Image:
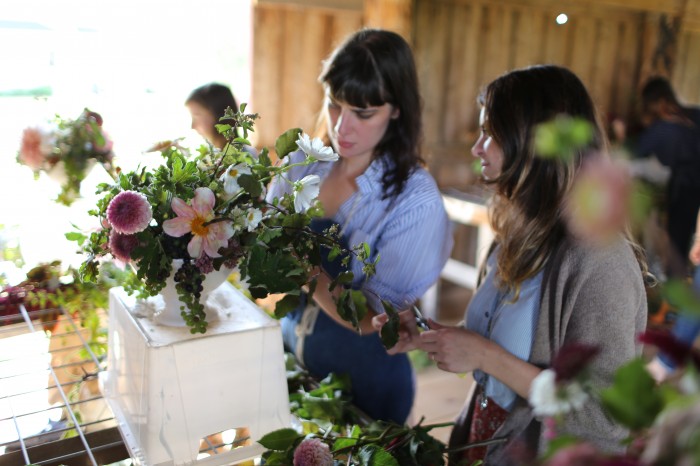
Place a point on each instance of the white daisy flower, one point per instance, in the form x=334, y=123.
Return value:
x=316, y=149
x=549, y=399
x=253, y=217
x=305, y=192
x=231, y=175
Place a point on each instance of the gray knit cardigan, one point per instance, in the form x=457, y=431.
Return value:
x=591, y=295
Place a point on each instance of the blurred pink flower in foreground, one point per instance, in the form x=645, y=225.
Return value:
x=599, y=202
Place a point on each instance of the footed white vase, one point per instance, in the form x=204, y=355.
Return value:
x=170, y=314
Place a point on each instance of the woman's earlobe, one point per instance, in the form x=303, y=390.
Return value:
x=395, y=114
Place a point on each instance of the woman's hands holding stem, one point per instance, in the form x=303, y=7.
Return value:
x=459, y=350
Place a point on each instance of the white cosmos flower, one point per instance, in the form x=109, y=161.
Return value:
x=253, y=217
x=549, y=399
x=316, y=149
x=305, y=191
x=231, y=175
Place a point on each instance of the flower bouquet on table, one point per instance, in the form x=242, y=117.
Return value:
x=200, y=212
x=66, y=151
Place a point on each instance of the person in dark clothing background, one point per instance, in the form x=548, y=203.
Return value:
x=672, y=134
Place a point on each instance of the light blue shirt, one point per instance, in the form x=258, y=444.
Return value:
x=411, y=233
x=512, y=324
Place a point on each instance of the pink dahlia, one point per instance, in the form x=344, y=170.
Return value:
x=206, y=237
x=121, y=245
x=312, y=452
x=129, y=212
x=34, y=149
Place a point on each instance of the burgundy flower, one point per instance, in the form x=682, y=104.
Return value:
x=571, y=359
x=129, y=212
x=94, y=116
x=678, y=351
x=579, y=454
x=121, y=245
x=312, y=452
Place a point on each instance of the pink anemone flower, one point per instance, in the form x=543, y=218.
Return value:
x=206, y=237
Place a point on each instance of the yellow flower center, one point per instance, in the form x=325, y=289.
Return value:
x=233, y=172
x=197, y=226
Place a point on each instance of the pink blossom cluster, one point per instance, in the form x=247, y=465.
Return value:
x=35, y=148
x=312, y=452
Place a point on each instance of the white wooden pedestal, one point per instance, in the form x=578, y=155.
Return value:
x=169, y=389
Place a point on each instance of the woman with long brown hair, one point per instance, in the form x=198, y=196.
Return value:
x=542, y=286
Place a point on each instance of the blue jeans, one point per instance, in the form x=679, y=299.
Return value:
x=687, y=326
x=383, y=386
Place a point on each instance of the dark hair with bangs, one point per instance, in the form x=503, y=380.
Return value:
x=373, y=67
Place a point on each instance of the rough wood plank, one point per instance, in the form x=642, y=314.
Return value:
x=430, y=51
x=266, y=88
x=529, y=37
x=626, y=75
x=556, y=47
x=595, y=7
x=686, y=76
x=583, y=52
x=462, y=86
x=395, y=15
x=604, y=65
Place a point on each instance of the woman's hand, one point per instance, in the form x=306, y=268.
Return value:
x=454, y=349
x=408, y=331
x=695, y=251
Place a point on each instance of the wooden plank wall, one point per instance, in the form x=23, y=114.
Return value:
x=460, y=45
x=290, y=42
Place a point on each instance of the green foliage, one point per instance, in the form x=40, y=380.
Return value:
x=562, y=137
x=632, y=400
x=325, y=412
x=272, y=244
x=680, y=294
x=390, y=330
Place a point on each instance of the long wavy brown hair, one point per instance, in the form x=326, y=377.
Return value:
x=528, y=207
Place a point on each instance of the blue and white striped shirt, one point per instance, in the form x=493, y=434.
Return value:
x=512, y=324
x=411, y=233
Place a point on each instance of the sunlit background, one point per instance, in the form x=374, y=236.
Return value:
x=133, y=61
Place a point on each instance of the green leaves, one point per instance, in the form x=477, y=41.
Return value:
x=632, y=400
x=352, y=306
x=287, y=142
x=390, y=330
x=562, y=137
x=681, y=295
x=280, y=439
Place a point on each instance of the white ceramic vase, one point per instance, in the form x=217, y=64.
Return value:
x=57, y=173
x=170, y=314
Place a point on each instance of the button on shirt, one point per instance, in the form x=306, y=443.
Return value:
x=493, y=314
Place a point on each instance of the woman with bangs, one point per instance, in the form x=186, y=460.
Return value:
x=376, y=192
x=542, y=286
